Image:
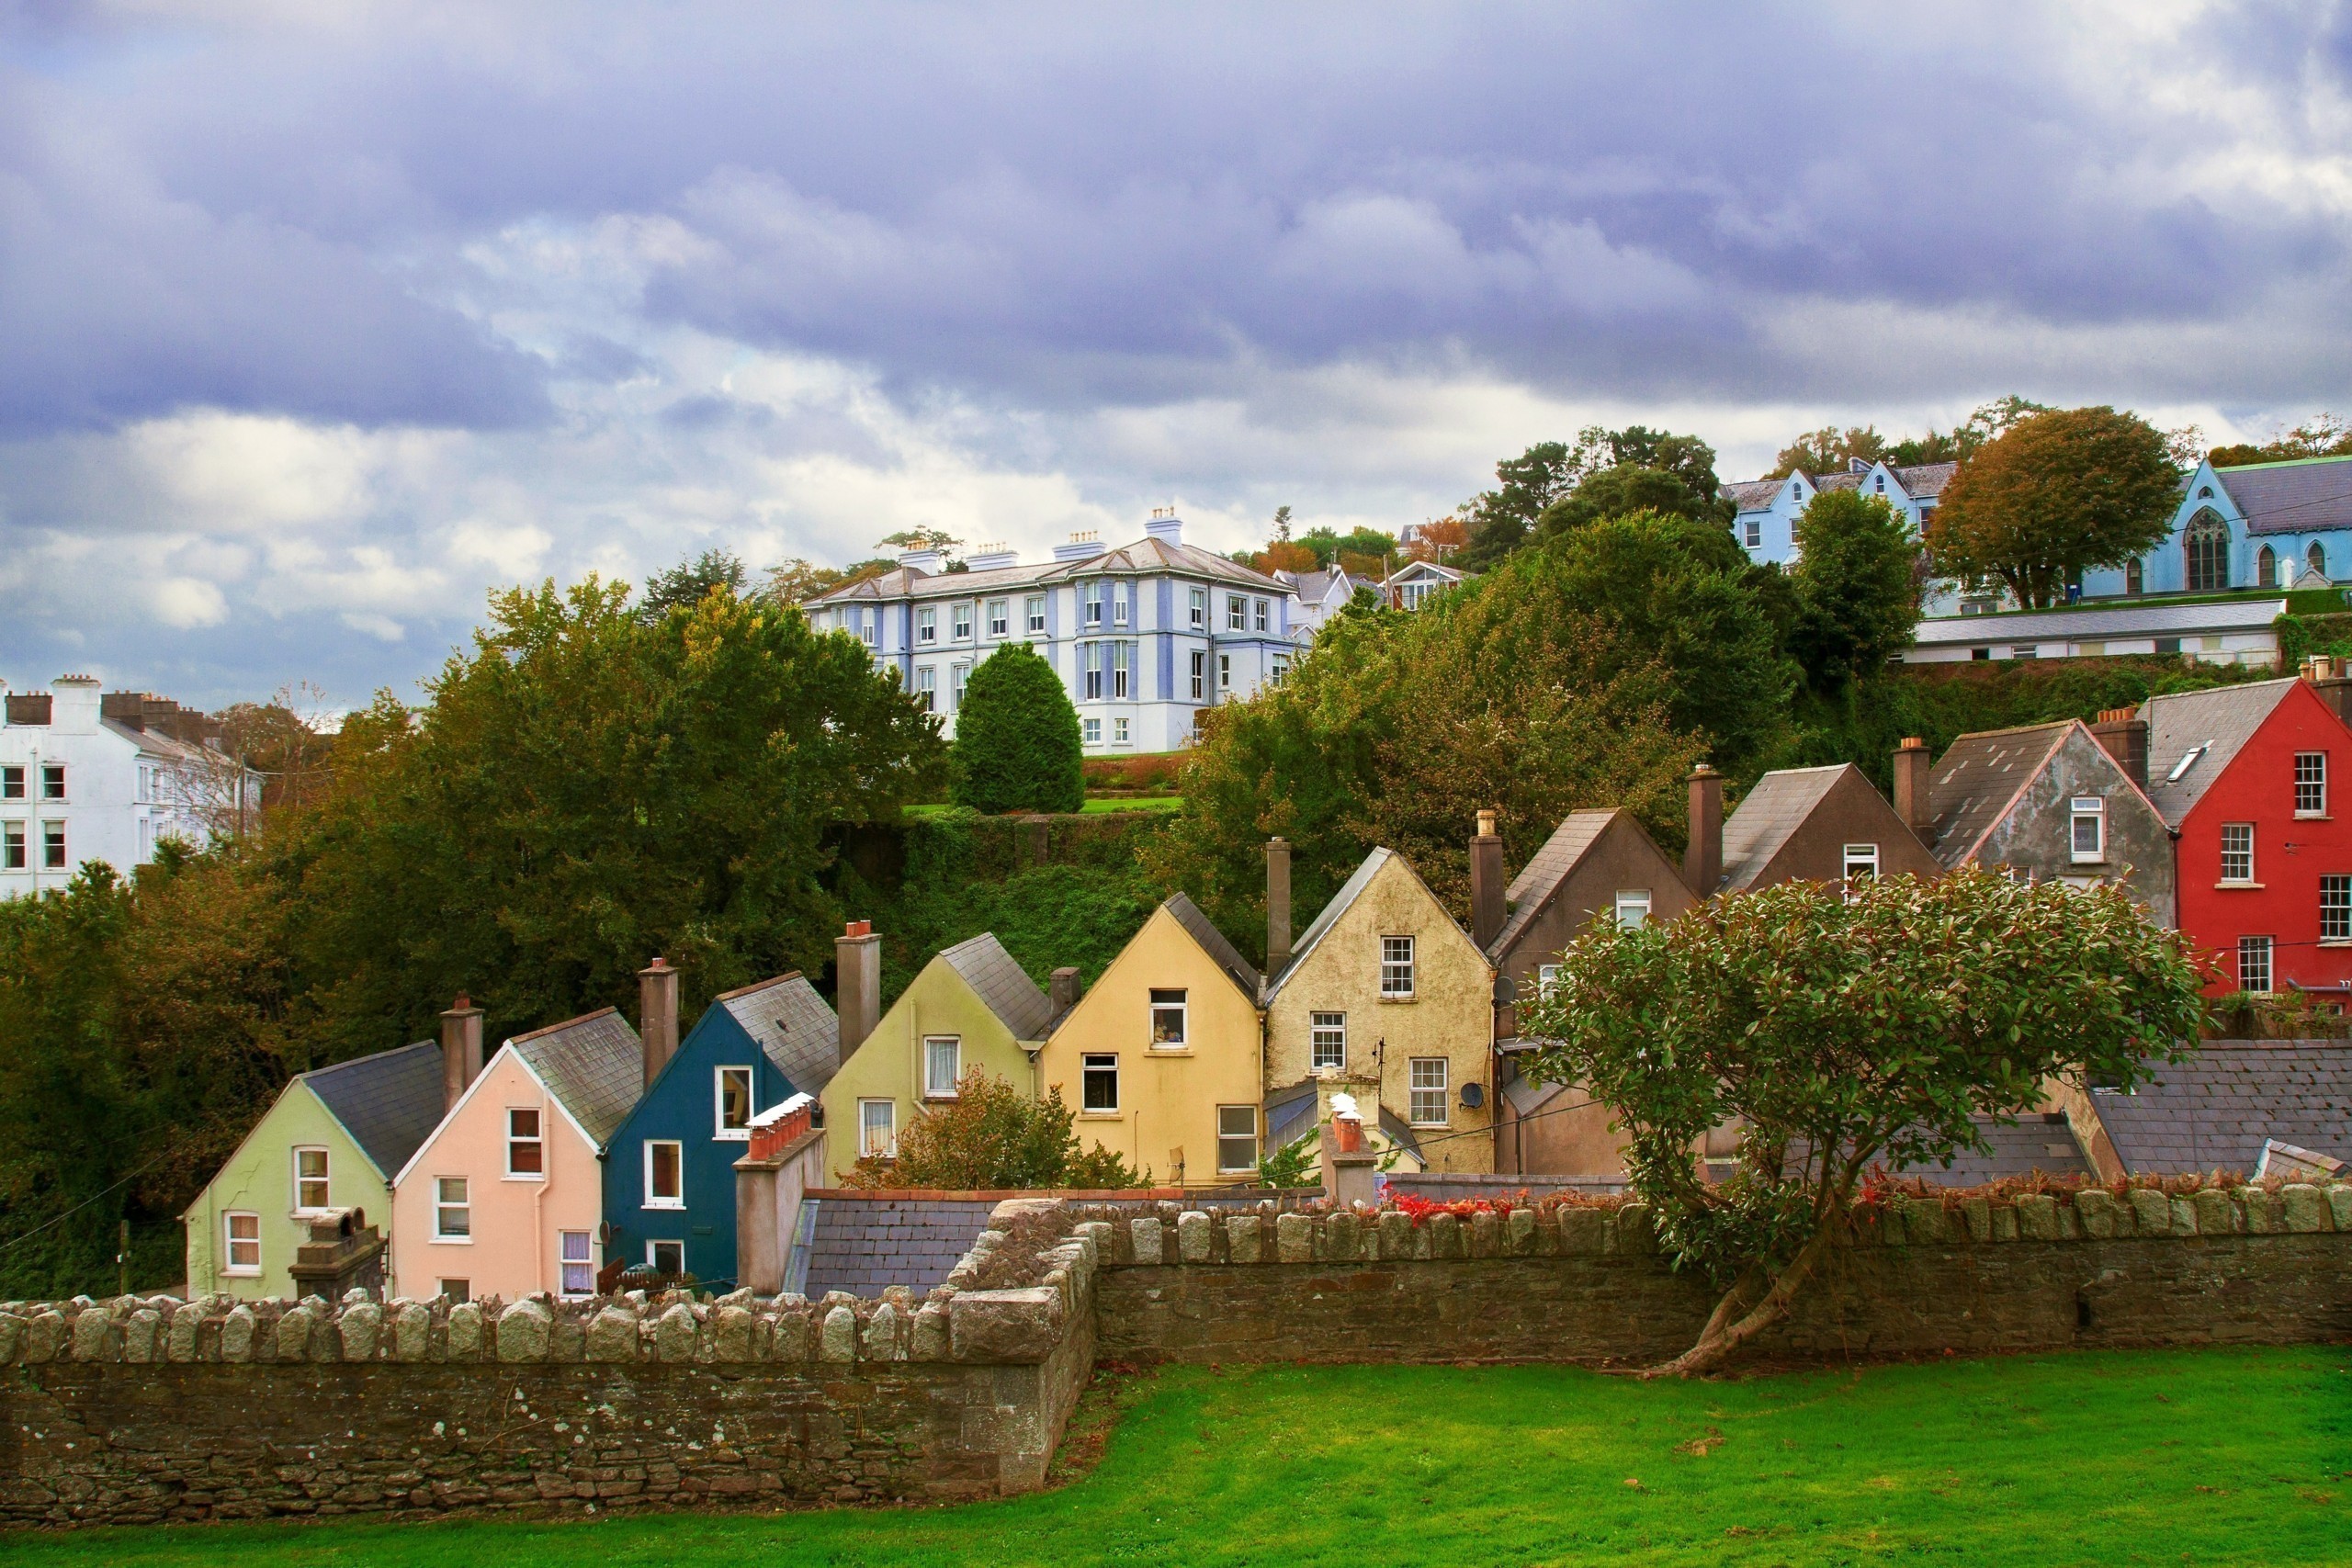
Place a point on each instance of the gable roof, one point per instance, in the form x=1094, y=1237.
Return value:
x=2300, y=496
x=593, y=1064
x=1002, y=984
x=1769, y=815
x=1291, y=1111
x=389, y=1102
x=2216, y=725
x=1212, y=941
x=2215, y=1109
x=1329, y=916
x=792, y=1026
x=1753, y=495
x=1977, y=780
x=1532, y=890
x=1144, y=556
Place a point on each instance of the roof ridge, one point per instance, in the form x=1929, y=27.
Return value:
x=2283, y=463
x=567, y=1024
x=756, y=985
x=309, y=1073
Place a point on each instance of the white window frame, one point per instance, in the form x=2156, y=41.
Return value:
x=231, y=1241
x=1089, y=664
x=324, y=1179
x=2255, y=955
x=2238, y=851
x=12, y=781
x=678, y=1148
x=959, y=623
x=16, y=854
x=54, y=853
x=1236, y=613
x=1546, y=977
x=1230, y=1164
x=1428, y=1081
x=1755, y=533
x=1327, y=1042
x=1092, y=731
x=462, y=1206
x=889, y=1109
x=1090, y=604
x=1122, y=598
x=1200, y=675
x=1033, y=610
x=1092, y=1067
x=1225, y=673
x=2091, y=809
x=719, y=1129
x=1398, y=969
x=1634, y=902
x=1862, y=855
x=537, y=1140
x=52, y=784
x=959, y=677
x=1119, y=732
x=1170, y=1001
x=2311, y=785
x=653, y=1245
x=2335, y=913
x=565, y=1263
x=1200, y=606
x=930, y=1084
x=927, y=625
x=869, y=627
x=1000, y=617
x=927, y=687
x=1121, y=669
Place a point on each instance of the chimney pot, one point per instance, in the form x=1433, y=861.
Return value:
x=1487, y=908
x=657, y=1016
x=1703, y=862
x=2123, y=734
x=461, y=1051
x=1914, y=764
x=1277, y=906
x=857, y=984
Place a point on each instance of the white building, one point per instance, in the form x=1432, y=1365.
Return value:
x=85, y=775
x=1319, y=596
x=1144, y=636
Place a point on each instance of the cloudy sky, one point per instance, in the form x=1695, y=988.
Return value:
x=318, y=320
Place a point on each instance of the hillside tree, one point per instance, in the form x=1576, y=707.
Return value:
x=1857, y=588
x=1017, y=745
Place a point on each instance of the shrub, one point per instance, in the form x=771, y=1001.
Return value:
x=1016, y=737
x=992, y=1135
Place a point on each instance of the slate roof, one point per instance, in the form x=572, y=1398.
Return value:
x=2214, y=1109
x=794, y=1028
x=595, y=1064
x=1289, y=1112
x=1399, y=1133
x=865, y=1244
x=1527, y=1096
x=1919, y=480
x=2302, y=496
x=1002, y=984
x=1541, y=877
x=2044, y=1143
x=1922, y=479
x=389, y=1102
x=1769, y=815
x=1143, y=558
x=1350, y=891
x=1323, y=582
x=2220, y=720
x=1754, y=495
x=1197, y=925
x=1977, y=780
x=2110, y=619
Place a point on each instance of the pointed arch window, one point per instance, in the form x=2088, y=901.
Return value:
x=2266, y=568
x=2316, y=558
x=2206, y=545
x=2132, y=576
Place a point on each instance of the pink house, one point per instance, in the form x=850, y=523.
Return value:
x=506, y=1196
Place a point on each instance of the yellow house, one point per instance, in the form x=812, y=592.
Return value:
x=1387, y=999
x=1161, y=1059
x=972, y=1006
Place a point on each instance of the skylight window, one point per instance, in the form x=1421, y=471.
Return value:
x=2188, y=760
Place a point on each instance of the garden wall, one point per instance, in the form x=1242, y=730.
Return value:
x=134, y=1410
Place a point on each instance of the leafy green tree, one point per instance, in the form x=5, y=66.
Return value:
x=1615, y=492
x=1362, y=543
x=2322, y=436
x=1840, y=1031
x=1017, y=745
x=2055, y=495
x=686, y=584
x=1533, y=485
x=795, y=581
x=1828, y=450
x=992, y=1135
x=584, y=790
x=1499, y=519
x=1857, y=588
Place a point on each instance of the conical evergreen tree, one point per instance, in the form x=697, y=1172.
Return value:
x=1016, y=737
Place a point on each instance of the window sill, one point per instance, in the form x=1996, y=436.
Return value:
x=1398, y=1001
x=524, y=1176
x=940, y=1099
x=2100, y=861
x=1101, y=1115
x=229, y=1273
x=2238, y=886
x=2314, y=816
x=731, y=1136
x=453, y=1241
x=671, y=1206
x=2336, y=941
x=1430, y=1126
x=1167, y=1050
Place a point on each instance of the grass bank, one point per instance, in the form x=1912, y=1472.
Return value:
x=2183, y=1457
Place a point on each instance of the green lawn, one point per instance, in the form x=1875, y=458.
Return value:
x=1137, y=803
x=2183, y=1457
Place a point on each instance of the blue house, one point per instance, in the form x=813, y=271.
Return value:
x=669, y=1169
x=2262, y=526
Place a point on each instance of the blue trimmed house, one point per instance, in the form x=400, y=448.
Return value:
x=670, y=1169
x=2264, y=526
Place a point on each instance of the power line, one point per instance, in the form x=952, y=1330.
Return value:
x=14, y=1242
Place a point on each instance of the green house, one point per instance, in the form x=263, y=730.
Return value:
x=331, y=1141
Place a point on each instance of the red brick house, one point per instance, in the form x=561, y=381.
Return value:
x=2257, y=781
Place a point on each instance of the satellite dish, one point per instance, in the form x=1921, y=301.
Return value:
x=1506, y=991
x=1473, y=1095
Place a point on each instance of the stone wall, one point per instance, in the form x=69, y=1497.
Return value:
x=1583, y=1284
x=139, y=1410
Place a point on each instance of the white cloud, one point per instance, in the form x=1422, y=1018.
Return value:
x=185, y=601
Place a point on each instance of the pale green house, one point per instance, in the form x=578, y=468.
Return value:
x=331, y=1141
x=971, y=1007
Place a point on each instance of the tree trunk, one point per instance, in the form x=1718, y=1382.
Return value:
x=1732, y=1324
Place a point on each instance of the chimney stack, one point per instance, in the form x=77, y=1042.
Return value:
x=857, y=984
x=2124, y=735
x=2333, y=682
x=1062, y=990
x=657, y=1016
x=1486, y=907
x=460, y=1050
x=1277, y=906
x=1912, y=766
x=1702, y=863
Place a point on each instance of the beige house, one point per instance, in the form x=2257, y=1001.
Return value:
x=1387, y=999
x=1162, y=1059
